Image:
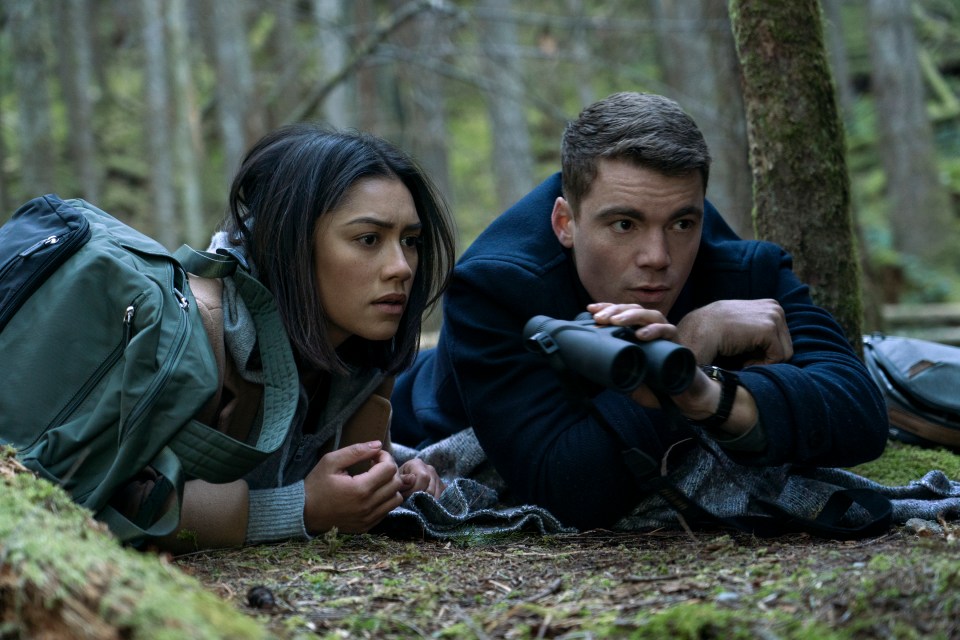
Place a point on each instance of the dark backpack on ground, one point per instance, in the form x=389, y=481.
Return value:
x=920, y=381
x=104, y=362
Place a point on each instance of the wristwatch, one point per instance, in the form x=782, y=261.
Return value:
x=729, y=381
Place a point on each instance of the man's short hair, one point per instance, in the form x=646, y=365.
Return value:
x=646, y=129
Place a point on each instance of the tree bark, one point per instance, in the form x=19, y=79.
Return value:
x=801, y=186
x=699, y=62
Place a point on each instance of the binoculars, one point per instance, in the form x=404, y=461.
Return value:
x=611, y=356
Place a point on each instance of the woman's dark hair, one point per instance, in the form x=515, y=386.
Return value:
x=649, y=130
x=286, y=182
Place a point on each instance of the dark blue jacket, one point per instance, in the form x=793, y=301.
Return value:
x=820, y=408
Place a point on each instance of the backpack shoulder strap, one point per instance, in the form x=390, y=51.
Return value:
x=209, y=454
x=209, y=295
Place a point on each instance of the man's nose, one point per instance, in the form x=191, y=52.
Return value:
x=653, y=253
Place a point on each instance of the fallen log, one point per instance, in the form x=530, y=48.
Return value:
x=62, y=575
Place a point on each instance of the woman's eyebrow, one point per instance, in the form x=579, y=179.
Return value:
x=384, y=224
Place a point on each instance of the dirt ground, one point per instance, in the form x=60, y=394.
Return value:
x=597, y=584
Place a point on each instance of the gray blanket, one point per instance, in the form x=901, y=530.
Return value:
x=471, y=504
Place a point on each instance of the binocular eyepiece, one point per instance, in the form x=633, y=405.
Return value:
x=611, y=356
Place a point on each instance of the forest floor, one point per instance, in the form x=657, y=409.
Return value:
x=601, y=584
x=596, y=585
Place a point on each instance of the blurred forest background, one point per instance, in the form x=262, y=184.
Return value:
x=145, y=107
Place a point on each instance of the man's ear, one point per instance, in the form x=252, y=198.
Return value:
x=562, y=221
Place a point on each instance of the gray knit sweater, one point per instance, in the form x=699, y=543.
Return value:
x=276, y=485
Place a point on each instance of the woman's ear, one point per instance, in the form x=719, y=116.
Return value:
x=563, y=223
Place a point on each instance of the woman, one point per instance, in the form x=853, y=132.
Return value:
x=355, y=244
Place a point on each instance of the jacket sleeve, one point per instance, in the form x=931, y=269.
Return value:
x=821, y=408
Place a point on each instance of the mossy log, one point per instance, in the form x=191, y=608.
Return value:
x=62, y=575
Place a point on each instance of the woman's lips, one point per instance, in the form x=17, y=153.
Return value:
x=392, y=304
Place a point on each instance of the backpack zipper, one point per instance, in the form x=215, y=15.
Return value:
x=29, y=251
x=39, y=245
x=160, y=381
x=70, y=241
x=100, y=371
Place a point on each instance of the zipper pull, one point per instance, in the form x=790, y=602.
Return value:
x=181, y=299
x=39, y=245
x=128, y=323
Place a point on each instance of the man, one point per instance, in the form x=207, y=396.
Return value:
x=628, y=235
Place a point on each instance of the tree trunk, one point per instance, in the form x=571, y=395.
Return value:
x=157, y=125
x=77, y=82
x=63, y=576
x=801, y=186
x=580, y=53
x=333, y=47
x=837, y=46
x=512, y=156
x=699, y=62
x=919, y=214
x=425, y=119
x=187, y=134
x=30, y=73
x=234, y=82
x=368, y=112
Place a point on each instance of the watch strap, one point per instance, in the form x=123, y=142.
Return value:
x=729, y=381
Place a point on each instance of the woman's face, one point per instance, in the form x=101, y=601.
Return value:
x=367, y=252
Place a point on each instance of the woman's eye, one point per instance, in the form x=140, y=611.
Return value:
x=368, y=240
x=411, y=242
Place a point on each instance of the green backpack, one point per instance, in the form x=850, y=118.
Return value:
x=105, y=362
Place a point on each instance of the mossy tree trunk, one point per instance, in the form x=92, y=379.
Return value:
x=62, y=575
x=800, y=182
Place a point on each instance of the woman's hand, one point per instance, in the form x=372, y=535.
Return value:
x=417, y=475
x=352, y=504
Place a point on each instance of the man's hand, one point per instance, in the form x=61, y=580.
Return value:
x=417, y=475
x=651, y=324
x=755, y=329
x=352, y=504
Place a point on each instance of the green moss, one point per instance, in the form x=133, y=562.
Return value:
x=902, y=463
x=707, y=620
x=56, y=550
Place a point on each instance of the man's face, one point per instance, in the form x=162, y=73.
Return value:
x=636, y=234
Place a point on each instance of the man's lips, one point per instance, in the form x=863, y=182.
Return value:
x=650, y=294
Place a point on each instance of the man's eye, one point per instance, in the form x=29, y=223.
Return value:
x=684, y=225
x=623, y=225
